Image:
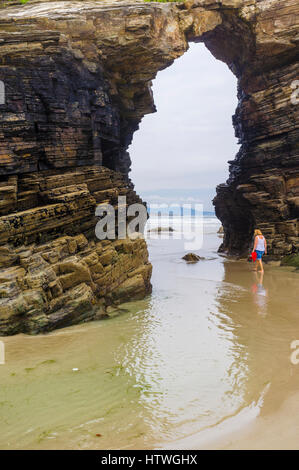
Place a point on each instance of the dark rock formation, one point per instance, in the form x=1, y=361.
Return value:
x=263, y=188
x=77, y=78
x=161, y=229
x=291, y=260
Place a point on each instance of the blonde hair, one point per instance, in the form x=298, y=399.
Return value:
x=257, y=232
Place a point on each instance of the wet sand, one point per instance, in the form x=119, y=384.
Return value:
x=255, y=429
x=202, y=363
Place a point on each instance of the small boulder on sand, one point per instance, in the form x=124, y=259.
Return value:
x=192, y=258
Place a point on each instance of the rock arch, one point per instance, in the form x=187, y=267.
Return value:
x=78, y=78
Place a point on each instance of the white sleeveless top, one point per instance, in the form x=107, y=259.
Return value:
x=260, y=244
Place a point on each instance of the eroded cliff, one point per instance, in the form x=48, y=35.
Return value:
x=77, y=79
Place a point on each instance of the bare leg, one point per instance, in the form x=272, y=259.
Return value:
x=261, y=265
x=258, y=264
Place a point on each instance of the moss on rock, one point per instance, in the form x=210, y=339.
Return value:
x=291, y=260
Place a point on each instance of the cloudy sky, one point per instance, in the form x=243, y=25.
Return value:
x=184, y=147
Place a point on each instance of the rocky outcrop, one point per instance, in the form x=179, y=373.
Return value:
x=69, y=280
x=192, y=258
x=77, y=78
x=53, y=270
x=263, y=188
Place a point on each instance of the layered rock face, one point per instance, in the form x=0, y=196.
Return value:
x=54, y=271
x=77, y=81
x=263, y=187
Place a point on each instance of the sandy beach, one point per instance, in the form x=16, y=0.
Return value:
x=253, y=430
x=202, y=363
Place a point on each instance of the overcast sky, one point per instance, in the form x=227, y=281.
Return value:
x=185, y=145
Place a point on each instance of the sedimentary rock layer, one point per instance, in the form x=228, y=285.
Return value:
x=77, y=78
x=53, y=270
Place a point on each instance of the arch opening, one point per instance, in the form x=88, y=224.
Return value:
x=180, y=154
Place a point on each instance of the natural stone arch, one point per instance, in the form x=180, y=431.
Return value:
x=129, y=43
x=261, y=188
x=80, y=77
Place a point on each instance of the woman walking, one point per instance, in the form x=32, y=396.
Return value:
x=260, y=247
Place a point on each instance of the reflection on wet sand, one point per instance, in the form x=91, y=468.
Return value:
x=264, y=321
x=213, y=339
x=260, y=293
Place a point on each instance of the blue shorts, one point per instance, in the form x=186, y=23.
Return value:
x=259, y=254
